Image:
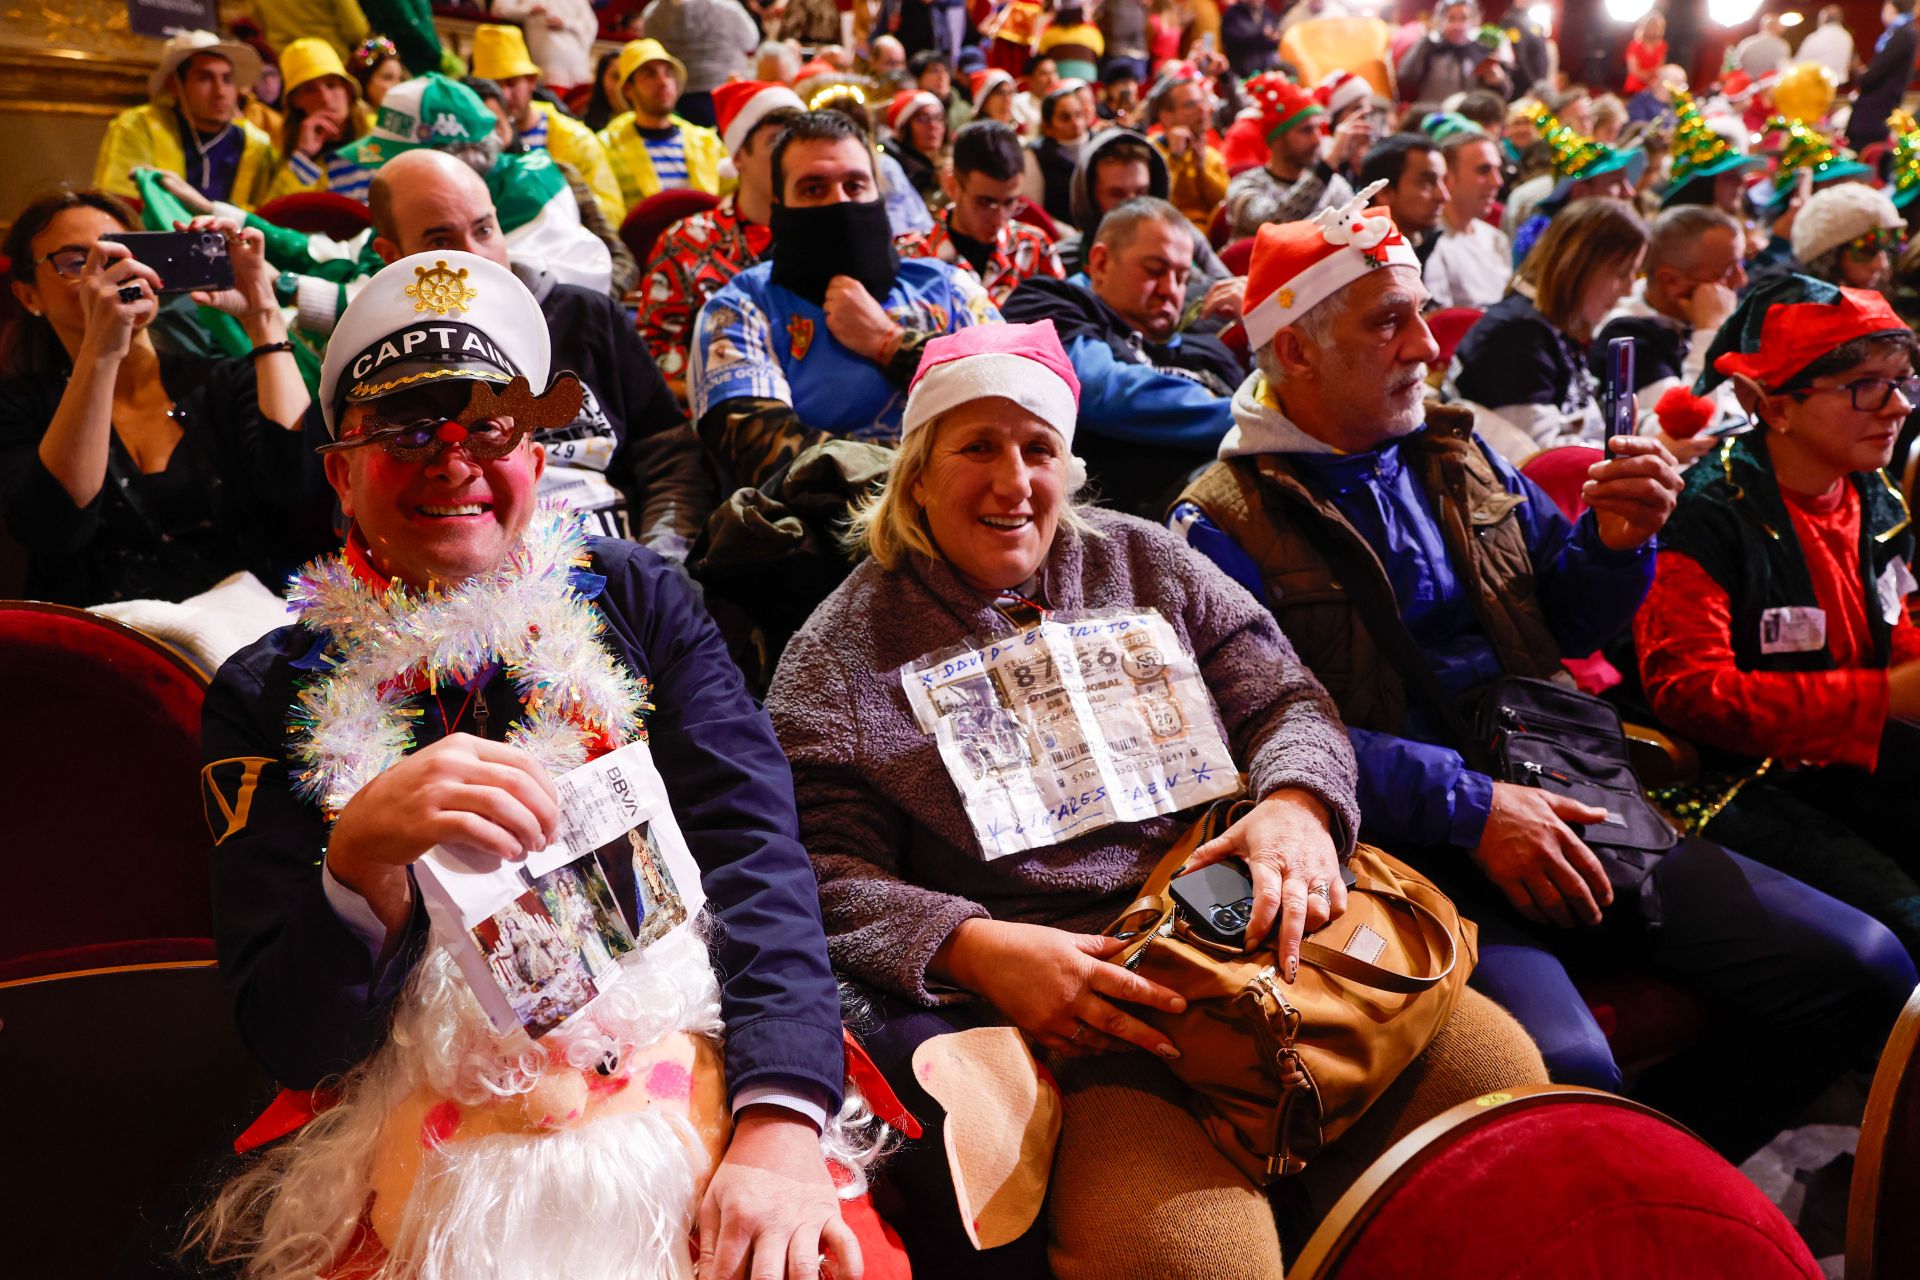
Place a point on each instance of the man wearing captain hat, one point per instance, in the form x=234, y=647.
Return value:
x=436, y=375
x=1431, y=568
x=500, y=55
x=651, y=148
x=192, y=126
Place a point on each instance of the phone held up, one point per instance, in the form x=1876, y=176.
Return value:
x=1616, y=392
x=184, y=260
x=1217, y=901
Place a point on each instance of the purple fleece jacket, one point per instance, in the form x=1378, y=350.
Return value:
x=897, y=861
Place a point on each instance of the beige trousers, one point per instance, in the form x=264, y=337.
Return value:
x=1139, y=1190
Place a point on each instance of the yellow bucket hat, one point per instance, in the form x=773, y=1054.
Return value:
x=308, y=59
x=500, y=53
x=636, y=54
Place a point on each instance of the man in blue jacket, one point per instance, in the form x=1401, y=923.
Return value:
x=1337, y=487
x=428, y=392
x=1154, y=401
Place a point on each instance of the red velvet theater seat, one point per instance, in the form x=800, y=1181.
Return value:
x=101, y=822
x=646, y=220
x=326, y=213
x=1883, y=1232
x=1551, y=1183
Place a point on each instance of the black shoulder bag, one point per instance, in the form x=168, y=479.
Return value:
x=1525, y=731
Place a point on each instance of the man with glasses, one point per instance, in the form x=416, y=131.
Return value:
x=978, y=232
x=435, y=376
x=1778, y=633
x=1693, y=274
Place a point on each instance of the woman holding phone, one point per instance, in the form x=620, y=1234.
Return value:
x=125, y=472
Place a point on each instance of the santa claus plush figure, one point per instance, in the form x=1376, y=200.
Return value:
x=460, y=1153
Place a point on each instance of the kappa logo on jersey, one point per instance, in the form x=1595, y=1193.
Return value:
x=800, y=336
x=242, y=773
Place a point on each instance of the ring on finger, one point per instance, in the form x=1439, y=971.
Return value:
x=1078, y=1030
x=1321, y=889
x=131, y=292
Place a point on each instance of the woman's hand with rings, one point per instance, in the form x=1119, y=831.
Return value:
x=1060, y=988
x=1288, y=847
x=119, y=295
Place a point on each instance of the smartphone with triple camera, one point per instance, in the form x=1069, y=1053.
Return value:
x=1616, y=392
x=184, y=260
x=1217, y=901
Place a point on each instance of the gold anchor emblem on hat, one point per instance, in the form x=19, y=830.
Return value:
x=440, y=289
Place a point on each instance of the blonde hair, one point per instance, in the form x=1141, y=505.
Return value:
x=890, y=524
x=1583, y=239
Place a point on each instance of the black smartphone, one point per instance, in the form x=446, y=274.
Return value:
x=184, y=260
x=1217, y=901
x=1616, y=392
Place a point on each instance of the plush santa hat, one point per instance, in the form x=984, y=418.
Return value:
x=1282, y=103
x=1297, y=264
x=906, y=104
x=741, y=105
x=1340, y=90
x=982, y=83
x=1786, y=323
x=1024, y=363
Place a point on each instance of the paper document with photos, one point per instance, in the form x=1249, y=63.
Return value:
x=537, y=940
x=1071, y=725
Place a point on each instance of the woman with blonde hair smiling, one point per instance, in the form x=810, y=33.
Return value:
x=948, y=919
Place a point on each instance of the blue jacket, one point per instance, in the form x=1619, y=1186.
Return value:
x=1414, y=791
x=305, y=991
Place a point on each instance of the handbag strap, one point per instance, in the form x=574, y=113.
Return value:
x=1438, y=936
x=1359, y=570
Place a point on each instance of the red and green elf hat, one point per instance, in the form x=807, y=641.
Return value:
x=1785, y=324
x=1282, y=103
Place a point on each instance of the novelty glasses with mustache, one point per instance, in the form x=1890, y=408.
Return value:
x=489, y=425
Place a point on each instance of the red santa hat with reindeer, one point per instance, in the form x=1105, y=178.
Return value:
x=1298, y=264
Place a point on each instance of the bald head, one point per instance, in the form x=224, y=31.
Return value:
x=424, y=199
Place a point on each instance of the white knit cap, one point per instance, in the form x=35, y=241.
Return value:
x=1838, y=214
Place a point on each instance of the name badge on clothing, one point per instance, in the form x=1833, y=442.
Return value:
x=1793, y=630
x=1895, y=585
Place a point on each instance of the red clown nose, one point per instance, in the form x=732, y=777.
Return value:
x=451, y=433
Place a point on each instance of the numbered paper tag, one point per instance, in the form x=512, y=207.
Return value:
x=1793, y=629
x=1070, y=726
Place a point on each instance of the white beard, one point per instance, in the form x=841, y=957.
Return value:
x=610, y=1200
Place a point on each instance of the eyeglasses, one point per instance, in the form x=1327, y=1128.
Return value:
x=1870, y=395
x=420, y=440
x=1879, y=240
x=67, y=262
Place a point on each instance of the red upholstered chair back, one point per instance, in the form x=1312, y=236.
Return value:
x=646, y=220
x=101, y=820
x=1217, y=228
x=1552, y=1183
x=326, y=213
x=1035, y=216
x=1238, y=256
x=1561, y=472
x=1449, y=325
x=119, y=1082
x=1883, y=1232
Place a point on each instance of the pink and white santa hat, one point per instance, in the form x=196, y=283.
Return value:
x=1296, y=264
x=1024, y=363
x=1340, y=90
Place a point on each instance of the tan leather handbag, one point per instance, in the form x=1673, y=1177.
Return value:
x=1282, y=1069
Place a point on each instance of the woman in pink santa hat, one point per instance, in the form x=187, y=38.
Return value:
x=951, y=921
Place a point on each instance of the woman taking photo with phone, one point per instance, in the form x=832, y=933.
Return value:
x=949, y=920
x=126, y=473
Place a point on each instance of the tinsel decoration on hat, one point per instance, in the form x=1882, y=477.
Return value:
x=1905, y=175
x=1575, y=155
x=1698, y=148
x=1802, y=146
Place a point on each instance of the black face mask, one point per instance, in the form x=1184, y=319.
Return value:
x=811, y=246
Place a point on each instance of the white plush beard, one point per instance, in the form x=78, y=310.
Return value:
x=609, y=1200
